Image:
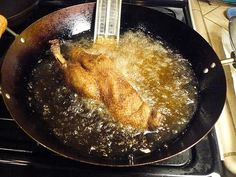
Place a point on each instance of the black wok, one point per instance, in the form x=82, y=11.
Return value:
x=77, y=19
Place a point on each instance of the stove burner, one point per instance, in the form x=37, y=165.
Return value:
x=18, y=151
x=21, y=156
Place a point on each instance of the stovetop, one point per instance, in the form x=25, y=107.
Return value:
x=21, y=156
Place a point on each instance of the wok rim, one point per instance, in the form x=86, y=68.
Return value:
x=6, y=100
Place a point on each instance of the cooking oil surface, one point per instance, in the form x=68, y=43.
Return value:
x=163, y=78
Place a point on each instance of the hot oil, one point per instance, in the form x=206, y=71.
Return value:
x=162, y=78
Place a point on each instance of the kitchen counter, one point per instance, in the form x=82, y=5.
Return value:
x=210, y=22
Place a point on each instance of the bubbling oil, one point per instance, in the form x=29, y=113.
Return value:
x=163, y=78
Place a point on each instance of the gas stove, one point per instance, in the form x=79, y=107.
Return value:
x=21, y=156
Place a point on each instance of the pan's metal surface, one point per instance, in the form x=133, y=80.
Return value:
x=77, y=19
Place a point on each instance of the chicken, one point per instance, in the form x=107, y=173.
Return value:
x=96, y=77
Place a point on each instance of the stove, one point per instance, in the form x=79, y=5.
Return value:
x=21, y=156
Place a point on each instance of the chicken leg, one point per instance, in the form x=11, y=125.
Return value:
x=96, y=77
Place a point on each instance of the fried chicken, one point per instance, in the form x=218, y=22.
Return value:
x=96, y=77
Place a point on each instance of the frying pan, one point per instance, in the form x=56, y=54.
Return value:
x=77, y=19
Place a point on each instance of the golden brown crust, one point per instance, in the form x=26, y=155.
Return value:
x=96, y=77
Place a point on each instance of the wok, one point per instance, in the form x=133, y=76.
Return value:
x=77, y=19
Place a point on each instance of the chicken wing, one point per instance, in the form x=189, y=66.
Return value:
x=96, y=77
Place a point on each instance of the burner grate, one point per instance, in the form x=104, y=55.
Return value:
x=21, y=156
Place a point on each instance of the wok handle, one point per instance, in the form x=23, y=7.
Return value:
x=3, y=25
x=228, y=61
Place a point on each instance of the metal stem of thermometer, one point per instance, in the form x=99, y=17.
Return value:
x=107, y=22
